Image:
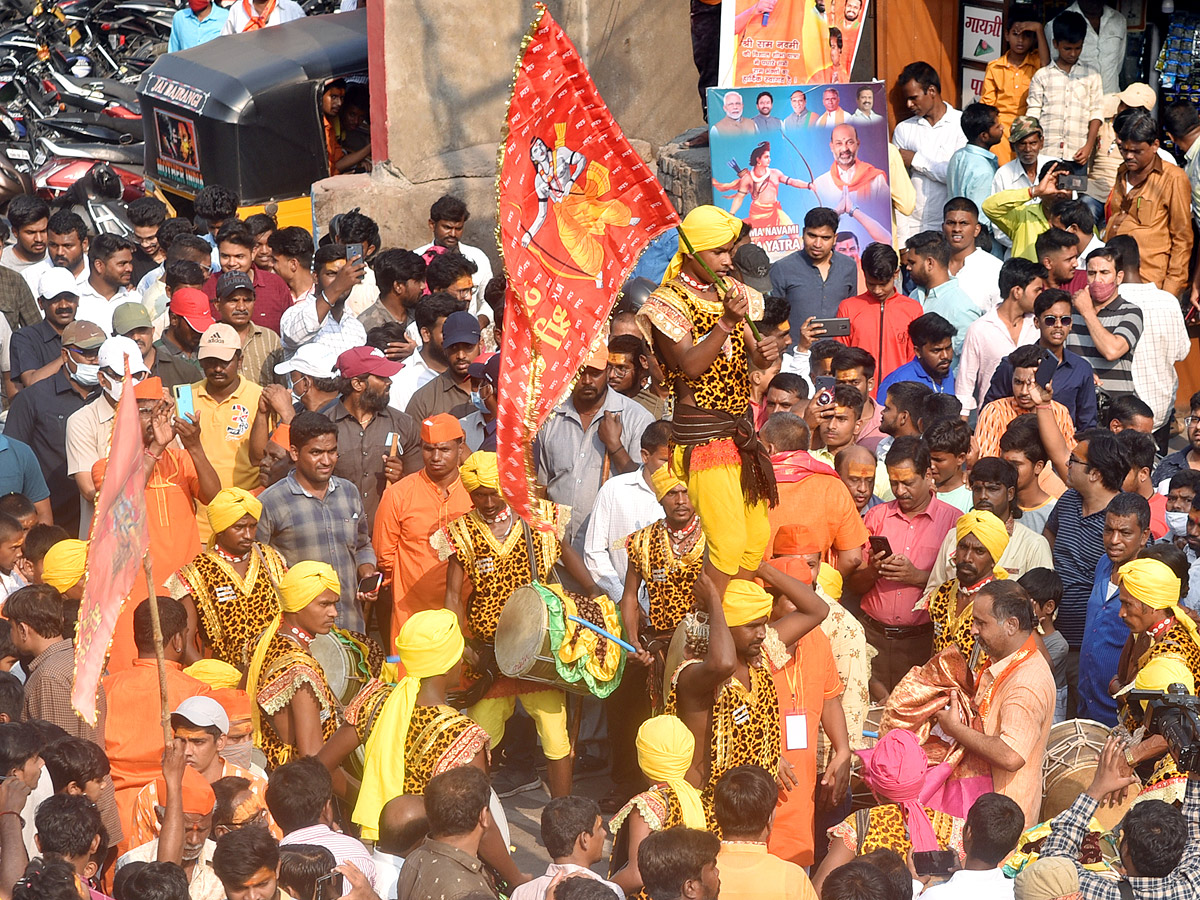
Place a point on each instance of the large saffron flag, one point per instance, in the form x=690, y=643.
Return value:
x=119, y=541
x=577, y=206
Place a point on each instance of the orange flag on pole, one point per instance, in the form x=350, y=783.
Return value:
x=577, y=206
x=119, y=541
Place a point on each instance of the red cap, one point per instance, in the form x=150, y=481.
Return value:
x=194, y=307
x=359, y=361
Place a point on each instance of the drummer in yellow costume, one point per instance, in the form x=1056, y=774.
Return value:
x=227, y=590
x=699, y=332
x=665, y=748
x=489, y=546
x=293, y=711
x=982, y=539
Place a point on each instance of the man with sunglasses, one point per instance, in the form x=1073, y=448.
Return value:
x=1073, y=382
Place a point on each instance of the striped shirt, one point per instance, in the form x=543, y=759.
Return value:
x=1077, y=546
x=1123, y=319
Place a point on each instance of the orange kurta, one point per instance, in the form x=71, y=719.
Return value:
x=1006, y=87
x=803, y=685
x=133, y=737
x=171, y=499
x=824, y=505
x=410, y=512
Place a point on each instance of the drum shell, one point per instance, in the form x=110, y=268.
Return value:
x=523, y=648
x=1072, y=756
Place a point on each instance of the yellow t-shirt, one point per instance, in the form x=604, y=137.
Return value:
x=225, y=436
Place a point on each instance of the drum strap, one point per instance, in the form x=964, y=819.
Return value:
x=530, y=550
x=1126, y=889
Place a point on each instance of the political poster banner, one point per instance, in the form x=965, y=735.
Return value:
x=779, y=152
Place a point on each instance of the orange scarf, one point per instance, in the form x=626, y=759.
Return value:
x=864, y=174
x=256, y=22
x=1027, y=650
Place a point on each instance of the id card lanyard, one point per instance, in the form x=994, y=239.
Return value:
x=795, y=722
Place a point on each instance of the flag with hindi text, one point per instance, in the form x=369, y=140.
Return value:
x=577, y=206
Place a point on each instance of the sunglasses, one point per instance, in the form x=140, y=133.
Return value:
x=1051, y=321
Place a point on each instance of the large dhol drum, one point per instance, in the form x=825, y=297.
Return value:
x=1072, y=756
x=523, y=640
x=344, y=662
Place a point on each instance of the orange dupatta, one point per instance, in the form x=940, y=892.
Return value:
x=256, y=22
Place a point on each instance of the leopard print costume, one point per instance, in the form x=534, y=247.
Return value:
x=286, y=667
x=950, y=626
x=887, y=829
x=674, y=310
x=659, y=807
x=743, y=729
x=670, y=580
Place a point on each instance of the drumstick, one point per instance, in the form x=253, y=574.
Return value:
x=628, y=648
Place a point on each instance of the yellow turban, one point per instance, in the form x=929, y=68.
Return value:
x=745, y=601
x=304, y=582
x=481, y=470
x=830, y=580
x=214, y=673
x=429, y=644
x=664, y=481
x=64, y=564
x=229, y=506
x=990, y=531
x=1155, y=583
x=1163, y=671
x=707, y=227
x=665, y=747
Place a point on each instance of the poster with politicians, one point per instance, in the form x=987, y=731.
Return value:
x=778, y=152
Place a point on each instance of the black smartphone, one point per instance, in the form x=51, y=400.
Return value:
x=328, y=887
x=371, y=583
x=1046, y=369
x=935, y=862
x=1067, y=182
x=880, y=544
x=834, y=327
x=824, y=382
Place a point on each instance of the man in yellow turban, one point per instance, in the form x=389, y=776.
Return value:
x=288, y=690
x=228, y=590
x=697, y=326
x=981, y=539
x=63, y=567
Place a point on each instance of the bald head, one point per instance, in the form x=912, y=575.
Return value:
x=402, y=824
x=852, y=454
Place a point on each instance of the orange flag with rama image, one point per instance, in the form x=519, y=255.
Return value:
x=577, y=206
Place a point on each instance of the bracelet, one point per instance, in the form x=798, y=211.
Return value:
x=12, y=812
x=1044, y=406
x=728, y=329
x=1129, y=758
x=151, y=455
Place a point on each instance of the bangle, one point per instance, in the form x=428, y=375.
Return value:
x=728, y=329
x=12, y=812
x=1129, y=758
x=152, y=455
x=1044, y=406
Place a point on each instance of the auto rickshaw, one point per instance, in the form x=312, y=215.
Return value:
x=243, y=111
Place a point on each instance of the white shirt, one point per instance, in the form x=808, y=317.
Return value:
x=1163, y=343
x=150, y=277
x=980, y=278
x=415, y=374
x=387, y=873
x=298, y=325
x=988, y=885
x=483, y=274
x=987, y=342
x=343, y=847
x=34, y=274
x=1104, y=51
x=284, y=11
x=623, y=504
x=204, y=883
x=1012, y=175
x=363, y=294
x=94, y=308
x=933, y=145
x=536, y=889
x=859, y=116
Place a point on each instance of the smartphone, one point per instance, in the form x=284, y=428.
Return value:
x=328, y=887
x=371, y=583
x=354, y=252
x=935, y=862
x=880, y=544
x=834, y=327
x=1046, y=369
x=185, y=404
x=1066, y=182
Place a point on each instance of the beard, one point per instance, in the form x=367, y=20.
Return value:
x=375, y=402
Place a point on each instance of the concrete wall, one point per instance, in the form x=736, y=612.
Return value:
x=448, y=67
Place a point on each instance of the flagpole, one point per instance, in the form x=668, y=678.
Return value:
x=159, y=655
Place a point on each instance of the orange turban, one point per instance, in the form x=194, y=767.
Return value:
x=198, y=796
x=149, y=389
x=236, y=704
x=441, y=428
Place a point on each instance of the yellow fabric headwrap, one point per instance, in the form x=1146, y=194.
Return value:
x=664, y=481
x=745, y=601
x=214, y=673
x=990, y=531
x=481, y=470
x=830, y=580
x=664, y=748
x=429, y=644
x=304, y=582
x=228, y=507
x=1156, y=584
x=1162, y=672
x=707, y=227
x=64, y=564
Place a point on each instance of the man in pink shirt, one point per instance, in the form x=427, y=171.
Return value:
x=895, y=570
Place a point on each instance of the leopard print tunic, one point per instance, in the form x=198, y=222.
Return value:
x=886, y=829
x=659, y=807
x=286, y=668
x=950, y=626
x=670, y=580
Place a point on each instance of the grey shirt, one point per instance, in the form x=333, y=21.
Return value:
x=796, y=278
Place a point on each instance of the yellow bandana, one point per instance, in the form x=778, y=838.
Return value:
x=481, y=470
x=745, y=601
x=707, y=227
x=1156, y=584
x=229, y=506
x=664, y=481
x=64, y=564
x=665, y=747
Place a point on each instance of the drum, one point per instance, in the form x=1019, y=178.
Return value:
x=1072, y=755
x=344, y=663
x=523, y=640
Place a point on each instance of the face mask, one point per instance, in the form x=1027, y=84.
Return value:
x=198, y=6
x=1101, y=293
x=1177, y=523
x=478, y=402
x=238, y=754
x=297, y=398
x=87, y=374
x=113, y=389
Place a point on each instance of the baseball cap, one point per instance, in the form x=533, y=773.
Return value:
x=460, y=328
x=130, y=317
x=203, y=712
x=116, y=350
x=193, y=306
x=754, y=264
x=314, y=359
x=1022, y=127
x=228, y=282
x=149, y=389
x=84, y=334
x=1138, y=94
x=55, y=281
x=597, y=359
x=486, y=365
x=219, y=341
x=359, y=361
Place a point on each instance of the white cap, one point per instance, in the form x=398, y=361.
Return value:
x=57, y=280
x=115, y=350
x=203, y=712
x=313, y=359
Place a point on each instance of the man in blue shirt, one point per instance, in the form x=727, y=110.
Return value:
x=201, y=21
x=973, y=167
x=1126, y=531
x=816, y=278
x=933, y=345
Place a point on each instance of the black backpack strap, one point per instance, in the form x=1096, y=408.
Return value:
x=1126, y=889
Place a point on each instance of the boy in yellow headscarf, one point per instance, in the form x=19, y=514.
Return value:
x=700, y=334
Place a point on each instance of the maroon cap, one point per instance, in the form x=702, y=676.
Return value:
x=359, y=361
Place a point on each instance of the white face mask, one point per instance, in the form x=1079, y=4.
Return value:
x=1177, y=523
x=87, y=374
x=114, y=389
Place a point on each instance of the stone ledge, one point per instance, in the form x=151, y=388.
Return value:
x=685, y=173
